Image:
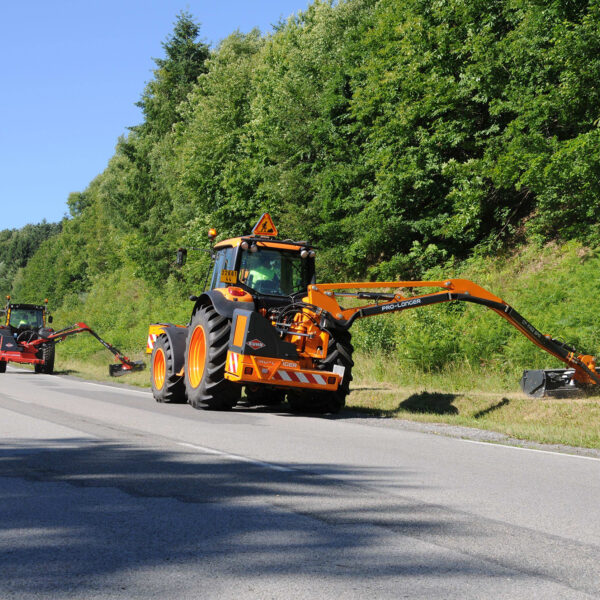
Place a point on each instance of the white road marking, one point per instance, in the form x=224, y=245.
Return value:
x=238, y=457
x=530, y=449
x=103, y=385
x=112, y=387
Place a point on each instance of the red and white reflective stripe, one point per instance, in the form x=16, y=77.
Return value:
x=151, y=339
x=232, y=363
x=299, y=377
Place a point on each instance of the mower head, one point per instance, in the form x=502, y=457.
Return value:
x=542, y=383
x=118, y=369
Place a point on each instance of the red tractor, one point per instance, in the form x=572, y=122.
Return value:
x=25, y=323
x=25, y=338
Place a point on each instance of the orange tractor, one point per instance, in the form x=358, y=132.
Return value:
x=266, y=324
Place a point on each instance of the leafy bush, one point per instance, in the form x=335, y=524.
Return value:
x=375, y=334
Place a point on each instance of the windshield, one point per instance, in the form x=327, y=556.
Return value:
x=25, y=317
x=274, y=272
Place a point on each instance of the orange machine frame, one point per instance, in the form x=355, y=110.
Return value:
x=321, y=301
x=323, y=296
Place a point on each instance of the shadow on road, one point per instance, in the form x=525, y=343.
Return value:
x=424, y=402
x=72, y=516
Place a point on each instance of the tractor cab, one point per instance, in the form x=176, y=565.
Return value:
x=261, y=267
x=272, y=271
x=25, y=317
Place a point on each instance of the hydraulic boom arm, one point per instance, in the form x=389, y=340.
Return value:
x=125, y=364
x=324, y=297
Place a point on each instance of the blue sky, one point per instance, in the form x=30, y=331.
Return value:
x=71, y=73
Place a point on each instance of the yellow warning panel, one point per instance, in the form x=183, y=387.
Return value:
x=228, y=276
x=265, y=226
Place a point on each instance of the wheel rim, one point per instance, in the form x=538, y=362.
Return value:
x=197, y=356
x=159, y=368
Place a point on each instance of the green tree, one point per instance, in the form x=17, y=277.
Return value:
x=145, y=204
x=17, y=246
x=212, y=173
x=174, y=77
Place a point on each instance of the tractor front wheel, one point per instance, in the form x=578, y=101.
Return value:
x=166, y=385
x=205, y=355
x=2, y=366
x=339, y=353
x=47, y=354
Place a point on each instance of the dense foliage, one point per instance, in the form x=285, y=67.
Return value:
x=397, y=135
x=17, y=246
x=556, y=288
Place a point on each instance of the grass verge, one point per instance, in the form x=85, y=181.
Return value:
x=468, y=397
x=96, y=369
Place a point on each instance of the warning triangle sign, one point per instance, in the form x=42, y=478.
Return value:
x=265, y=226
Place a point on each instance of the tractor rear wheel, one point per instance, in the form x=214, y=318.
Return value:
x=2, y=366
x=166, y=385
x=47, y=354
x=339, y=353
x=205, y=355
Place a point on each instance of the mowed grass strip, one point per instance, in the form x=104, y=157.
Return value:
x=572, y=422
x=471, y=398
x=96, y=368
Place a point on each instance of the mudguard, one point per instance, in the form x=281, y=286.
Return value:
x=254, y=335
x=7, y=341
x=223, y=306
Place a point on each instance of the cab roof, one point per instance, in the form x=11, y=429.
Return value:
x=264, y=242
x=26, y=306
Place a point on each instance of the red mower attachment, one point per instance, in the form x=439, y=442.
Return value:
x=37, y=348
x=126, y=365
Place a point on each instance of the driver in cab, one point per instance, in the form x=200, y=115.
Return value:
x=263, y=274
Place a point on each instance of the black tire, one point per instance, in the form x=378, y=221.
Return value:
x=47, y=354
x=264, y=396
x=166, y=385
x=205, y=355
x=2, y=366
x=339, y=352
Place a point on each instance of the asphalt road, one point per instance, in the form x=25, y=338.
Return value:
x=105, y=494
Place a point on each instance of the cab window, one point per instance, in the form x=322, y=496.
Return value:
x=274, y=272
x=224, y=260
x=22, y=317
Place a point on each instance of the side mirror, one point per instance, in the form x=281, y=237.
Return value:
x=50, y=319
x=181, y=257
